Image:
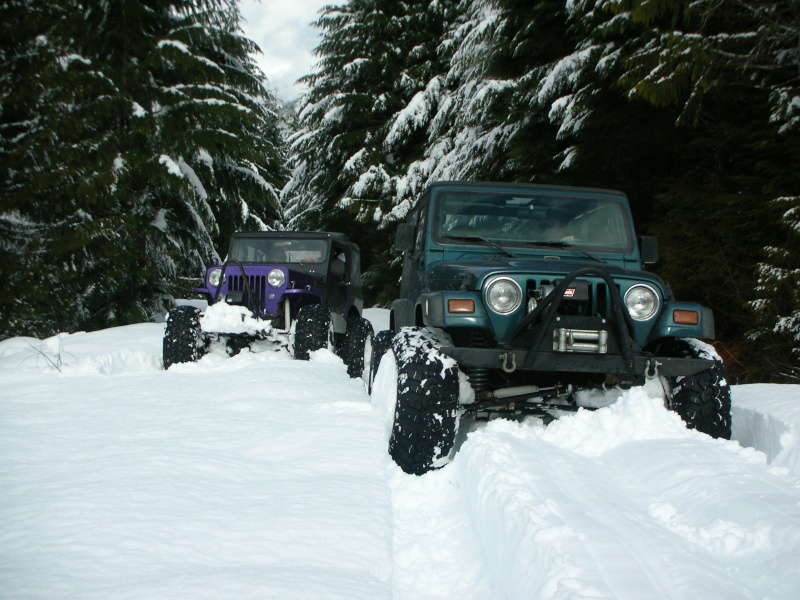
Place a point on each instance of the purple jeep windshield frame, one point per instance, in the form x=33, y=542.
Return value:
x=279, y=250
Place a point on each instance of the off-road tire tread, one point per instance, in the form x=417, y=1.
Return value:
x=359, y=331
x=311, y=331
x=427, y=410
x=702, y=400
x=182, y=336
x=380, y=345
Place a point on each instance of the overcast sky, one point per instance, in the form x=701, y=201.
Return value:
x=282, y=28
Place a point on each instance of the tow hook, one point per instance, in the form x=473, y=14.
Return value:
x=506, y=367
x=651, y=369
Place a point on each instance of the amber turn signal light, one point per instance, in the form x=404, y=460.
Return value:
x=461, y=306
x=685, y=317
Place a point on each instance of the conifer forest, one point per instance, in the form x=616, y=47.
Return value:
x=136, y=136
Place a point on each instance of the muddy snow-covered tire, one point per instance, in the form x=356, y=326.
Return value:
x=703, y=400
x=427, y=411
x=183, y=338
x=312, y=331
x=357, y=347
x=380, y=345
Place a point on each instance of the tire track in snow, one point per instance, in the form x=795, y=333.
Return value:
x=435, y=553
x=554, y=525
x=626, y=503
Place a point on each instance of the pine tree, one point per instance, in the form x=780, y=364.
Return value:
x=534, y=42
x=367, y=105
x=466, y=134
x=53, y=105
x=731, y=68
x=149, y=140
x=363, y=120
x=777, y=303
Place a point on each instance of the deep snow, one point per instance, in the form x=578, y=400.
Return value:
x=263, y=477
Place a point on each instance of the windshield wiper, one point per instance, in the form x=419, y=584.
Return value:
x=477, y=238
x=566, y=246
x=293, y=256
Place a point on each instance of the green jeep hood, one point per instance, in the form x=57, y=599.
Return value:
x=471, y=274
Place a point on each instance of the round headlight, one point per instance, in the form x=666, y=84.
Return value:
x=214, y=276
x=642, y=302
x=503, y=295
x=276, y=278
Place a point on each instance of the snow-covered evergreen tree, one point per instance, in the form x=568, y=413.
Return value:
x=738, y=58
x=364, y=118
x=467, y=126
x=778, y=296
x=146, y=139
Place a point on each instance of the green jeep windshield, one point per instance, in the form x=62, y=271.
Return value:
x=278, y=250
x=518, y=219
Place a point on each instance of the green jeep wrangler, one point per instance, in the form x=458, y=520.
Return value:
x=536, y=294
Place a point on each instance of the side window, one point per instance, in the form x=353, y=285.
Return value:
x=338, y=265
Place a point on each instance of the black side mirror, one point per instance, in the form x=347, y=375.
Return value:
x=648, y=247
x=404, y=237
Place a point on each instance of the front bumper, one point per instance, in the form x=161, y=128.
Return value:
x=514, y=359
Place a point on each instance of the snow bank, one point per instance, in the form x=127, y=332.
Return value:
x=559, y=508
x=108, y=352
x=763, y=419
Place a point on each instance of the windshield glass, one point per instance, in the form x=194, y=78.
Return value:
x=516, y=219
x=278, y=250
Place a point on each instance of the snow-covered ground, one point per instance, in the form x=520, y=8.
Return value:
x=263, y=477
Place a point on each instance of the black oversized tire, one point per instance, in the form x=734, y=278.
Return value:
x=183, y=337
x=702, y=400
x=312, y=330
x=357, y=347
x=427, y=411
x=380, y=345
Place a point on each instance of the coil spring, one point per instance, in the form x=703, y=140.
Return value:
x=478, y=378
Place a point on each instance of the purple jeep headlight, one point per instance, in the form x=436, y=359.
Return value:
x=276, y=278
x=214, y=277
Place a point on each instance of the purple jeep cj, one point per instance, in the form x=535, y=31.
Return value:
x=305, y=283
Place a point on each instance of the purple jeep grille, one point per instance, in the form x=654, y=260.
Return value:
x=258, y=285
x=265, y=298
